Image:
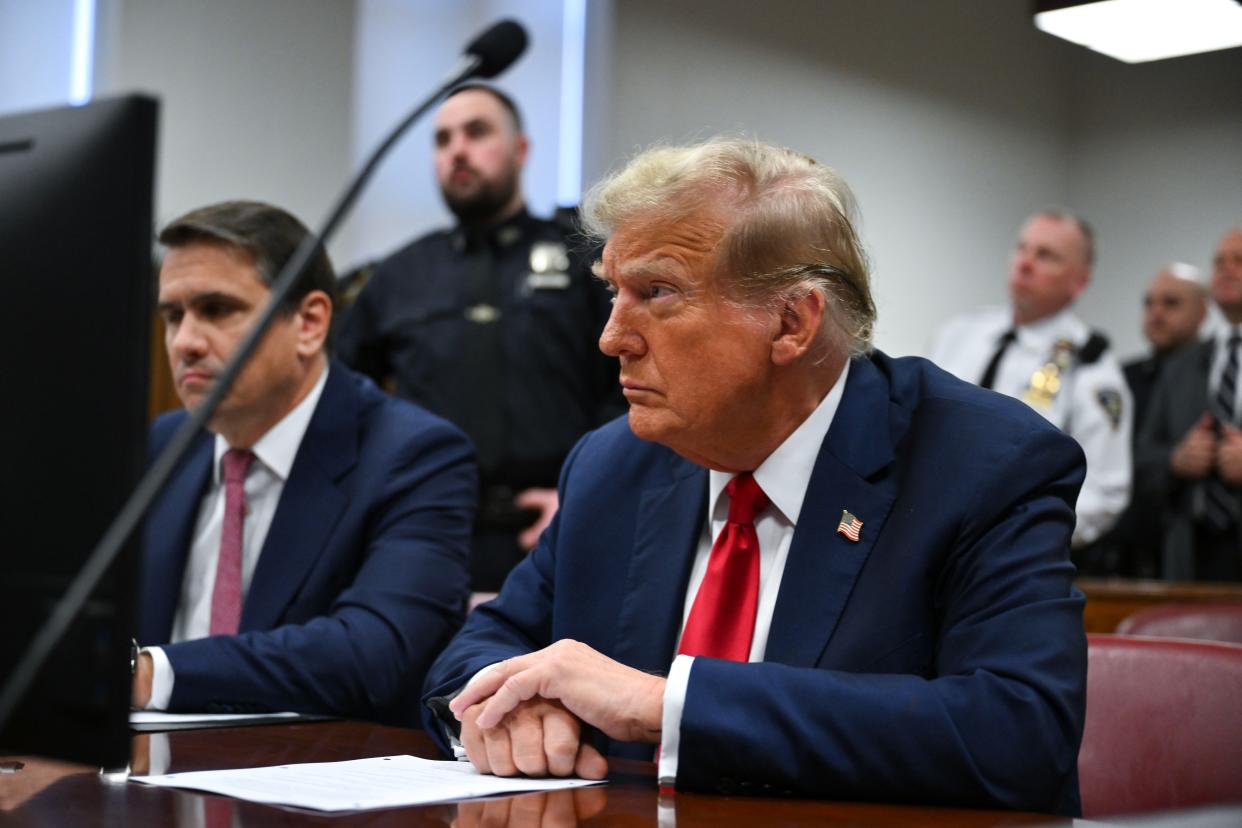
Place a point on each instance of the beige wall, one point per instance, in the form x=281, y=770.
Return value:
x=255, y=96
x=952, y=120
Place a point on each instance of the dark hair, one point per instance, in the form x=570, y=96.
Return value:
x=267, y=234
x=504, y=99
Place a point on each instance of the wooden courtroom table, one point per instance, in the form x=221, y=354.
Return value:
x=54, y=794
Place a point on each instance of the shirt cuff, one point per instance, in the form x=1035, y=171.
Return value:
x=670, y=725
x=459, y=750
x=161, y=679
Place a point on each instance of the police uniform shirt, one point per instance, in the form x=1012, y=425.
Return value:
x=1091, y=402
x=421, y=313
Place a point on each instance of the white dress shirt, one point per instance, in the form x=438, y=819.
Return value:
x=1081, y=408
x=784, y=477
x=274, y=454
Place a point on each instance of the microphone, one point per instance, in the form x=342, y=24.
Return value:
x=497, y=48
x=489, y=54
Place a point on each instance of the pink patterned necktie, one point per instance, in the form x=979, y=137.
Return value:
x=226, y=596
x=722, y=618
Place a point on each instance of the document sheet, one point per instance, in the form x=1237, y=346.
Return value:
x=359, y=784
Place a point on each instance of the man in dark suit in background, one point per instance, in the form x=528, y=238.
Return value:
x=1174, y=306
x=310, y=553
x=1189, y=456
x=865, y=560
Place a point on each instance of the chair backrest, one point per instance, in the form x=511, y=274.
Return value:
x=1212, y=622
x=1163, y=727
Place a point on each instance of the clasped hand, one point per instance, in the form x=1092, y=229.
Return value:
x=1203, y=451
x=525, y=715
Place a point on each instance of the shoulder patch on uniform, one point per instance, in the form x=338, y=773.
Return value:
x=1110, y=400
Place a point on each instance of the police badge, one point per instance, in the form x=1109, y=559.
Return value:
x=549, y=267
x=1046, y=381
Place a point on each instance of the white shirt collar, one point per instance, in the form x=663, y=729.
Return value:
x=277, y=448
x=1060, y=325
x=1224, y=332
x=786, y=473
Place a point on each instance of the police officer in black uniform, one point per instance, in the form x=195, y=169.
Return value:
x=493, y=324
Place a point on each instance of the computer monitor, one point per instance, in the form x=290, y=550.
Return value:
x=75, y=308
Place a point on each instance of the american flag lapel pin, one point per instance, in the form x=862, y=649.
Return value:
x=849, y=526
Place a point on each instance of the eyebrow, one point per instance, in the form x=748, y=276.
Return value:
x=647, y=266
x=201, y=298
x=472, y=123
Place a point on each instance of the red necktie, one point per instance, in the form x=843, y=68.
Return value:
x=722, y=618
x=226, y=596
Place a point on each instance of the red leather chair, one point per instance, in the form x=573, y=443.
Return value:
x=1213, y=622
x=1164, y=725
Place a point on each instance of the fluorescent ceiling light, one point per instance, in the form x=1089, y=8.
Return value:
x=82, y=69
x=573, y=69
x=1141, y=30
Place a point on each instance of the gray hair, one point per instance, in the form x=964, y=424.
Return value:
x=790, y=226
x=1079, y=223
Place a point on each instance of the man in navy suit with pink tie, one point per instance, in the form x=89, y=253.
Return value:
x=310, y=552
x=799, y=567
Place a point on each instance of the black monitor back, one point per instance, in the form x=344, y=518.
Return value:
x=76, y=189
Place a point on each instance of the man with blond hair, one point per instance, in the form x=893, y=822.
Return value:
x=799, y=566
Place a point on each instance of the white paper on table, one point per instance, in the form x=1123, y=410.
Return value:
x=358, y=784
x=145, y=721
x=153, y=717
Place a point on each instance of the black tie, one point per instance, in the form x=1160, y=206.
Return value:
x=1221, y=506
x=989, y=373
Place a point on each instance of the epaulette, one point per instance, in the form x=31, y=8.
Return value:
x=1094, y=348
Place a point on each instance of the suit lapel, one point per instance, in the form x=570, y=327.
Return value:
x=167, y=536
x=823, y=564
x=1194, y=398
x=309, y=506
x=670, y=519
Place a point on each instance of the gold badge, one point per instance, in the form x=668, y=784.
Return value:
x=1047, y=380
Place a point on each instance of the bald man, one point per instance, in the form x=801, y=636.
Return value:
x=1174, y=306
x=1189, y=452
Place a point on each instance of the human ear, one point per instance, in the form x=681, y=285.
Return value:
x=800, y=320
x=314, y=321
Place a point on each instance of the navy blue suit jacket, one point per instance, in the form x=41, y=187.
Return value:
x=362, y=576
x=939, y=659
